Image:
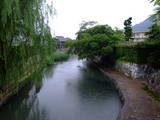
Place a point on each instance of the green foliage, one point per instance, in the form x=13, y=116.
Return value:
x=70, y=45
x=101, y=29
x=83, y=28
x=118, y=36
x=128, y=29
x=25, y=37
x=156, y=15
x=56, y=56
x=85, y=25
x=156, y=2
x=140, y=54
x=60, y=55
x=154, y=34
x=97, y=41
x=152, y=94
x=107, y=51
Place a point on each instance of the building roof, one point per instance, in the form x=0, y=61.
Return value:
x=62, y=38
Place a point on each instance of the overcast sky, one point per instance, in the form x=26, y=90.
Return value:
x=70, y=13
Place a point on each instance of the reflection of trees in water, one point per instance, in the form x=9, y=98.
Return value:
x=49, y=71
x=26, y=108
x=36, y=113
x=29, y=109
x=26, y=102
x=93, y=84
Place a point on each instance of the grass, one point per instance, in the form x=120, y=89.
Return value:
x=55, y=57
x=152, y=94
x=121, y=60
x=60, y=56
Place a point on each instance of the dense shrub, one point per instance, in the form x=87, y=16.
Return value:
x=59, y=56
x=96, y=42
x=140, y=54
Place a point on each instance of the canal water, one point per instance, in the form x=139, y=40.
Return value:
x=70, y=90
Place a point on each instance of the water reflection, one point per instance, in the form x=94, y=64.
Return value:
x=71, y=90
x=25, y=105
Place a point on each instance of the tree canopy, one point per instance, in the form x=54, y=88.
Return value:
x=24, y=33
x=156, y=15
x=154, y=34
x=154, y=30
x=96, y=41
x=83, y=27
x=128, y=29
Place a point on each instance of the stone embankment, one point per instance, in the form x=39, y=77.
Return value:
x=150, y=75
x=9, y=90
x=138, y=105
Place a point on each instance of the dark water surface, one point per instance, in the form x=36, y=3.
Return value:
x=70, y=90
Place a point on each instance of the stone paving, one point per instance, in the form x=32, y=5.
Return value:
x=138, y=105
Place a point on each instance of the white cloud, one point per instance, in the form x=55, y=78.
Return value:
x=70, y=13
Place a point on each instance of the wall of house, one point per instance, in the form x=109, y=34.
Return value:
x=139, y=36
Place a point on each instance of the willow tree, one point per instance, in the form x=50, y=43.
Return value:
x=156, y=15
x=24, y=33
x=156, y=2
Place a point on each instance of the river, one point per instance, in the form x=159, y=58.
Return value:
x=69, y=90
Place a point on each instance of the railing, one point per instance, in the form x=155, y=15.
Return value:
x=129, y=43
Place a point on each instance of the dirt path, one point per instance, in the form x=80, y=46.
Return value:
x=138, y=105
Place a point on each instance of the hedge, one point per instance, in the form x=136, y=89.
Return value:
x=139, y=53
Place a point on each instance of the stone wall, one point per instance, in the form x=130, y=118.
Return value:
x=148, y=73
x=12, y=87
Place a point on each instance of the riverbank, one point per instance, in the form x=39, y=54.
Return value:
x=138, y=105
x=10, y=89
x=69, y=90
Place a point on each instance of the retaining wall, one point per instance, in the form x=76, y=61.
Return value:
x=150, y=75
